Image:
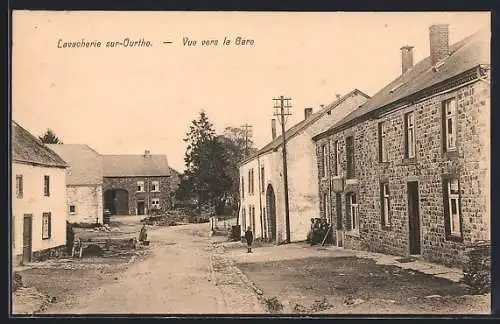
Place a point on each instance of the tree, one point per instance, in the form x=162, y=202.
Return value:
x=49, y=137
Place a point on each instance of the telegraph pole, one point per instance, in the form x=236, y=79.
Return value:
x=282, y=111
x=247, y=129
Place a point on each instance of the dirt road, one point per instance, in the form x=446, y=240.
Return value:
x=180, y=276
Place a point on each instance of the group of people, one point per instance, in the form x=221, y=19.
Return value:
x=318, y=231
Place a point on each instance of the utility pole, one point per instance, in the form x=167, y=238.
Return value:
x=282, y=111
x=247, y=129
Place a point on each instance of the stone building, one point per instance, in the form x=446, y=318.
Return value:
x=136, y=184
x=38, y=219
x=408, y=172
x=261, y=175
x=84, y=178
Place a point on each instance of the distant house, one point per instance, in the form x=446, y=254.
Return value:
x=262, y=189
x=38, y=197
x=83, y=182
x=136, y=184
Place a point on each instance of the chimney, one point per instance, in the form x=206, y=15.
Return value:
x=406, y=58
x=273, y=127
x=147, y=153
x=307, y=112
x=438, y=35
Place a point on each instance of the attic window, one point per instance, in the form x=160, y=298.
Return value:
x=399, y=85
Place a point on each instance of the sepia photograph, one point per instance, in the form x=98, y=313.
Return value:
x=250, y=163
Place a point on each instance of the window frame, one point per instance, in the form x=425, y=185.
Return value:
x=446, y=118
x=157, y=189
x=141, y=188
x=410, y=142
x=336, y=163
x=72, y=212
x=46, y=186
x=46, y=227
x=324, y=160
x=385, y=205
x=352, y=212
x=382, y=142
x=19, y=186
x=155, y=205
x=263, y=178
x=451, y=233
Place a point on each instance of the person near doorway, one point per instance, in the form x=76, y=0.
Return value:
x=310, y=233
x=315, y=232
x=249, y=239
x=143, y=235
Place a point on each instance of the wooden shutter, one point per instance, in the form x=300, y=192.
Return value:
x=406, y=134
x=446, y=207
x=443, y=126
x=380, y=142
x=348, y=212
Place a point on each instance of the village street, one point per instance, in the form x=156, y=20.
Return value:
x=179, y=276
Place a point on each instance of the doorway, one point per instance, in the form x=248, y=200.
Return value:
x=339, y=233
x=27, y=237
x=413, y=218
x=271, y=212
x=141, y=207
x=116, y=201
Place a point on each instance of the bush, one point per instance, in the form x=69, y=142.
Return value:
x=477, y=269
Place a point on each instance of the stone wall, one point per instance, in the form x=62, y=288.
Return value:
x=130, y=185
x=428, y=168
x=46, y=254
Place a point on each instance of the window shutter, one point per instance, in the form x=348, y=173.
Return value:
x=443, y=126
x=348, y=213
x=50, y=224
x=406, y=135
x=460, y=219
x=446, y=208
x=382, y=202
x=338, y=206
x=380, y=142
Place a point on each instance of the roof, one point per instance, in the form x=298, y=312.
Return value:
x=465, y=55
x=85, y=164
x=26, y=148
x=297, y=128
x=137, y=165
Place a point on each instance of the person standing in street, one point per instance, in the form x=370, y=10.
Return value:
x=249, y=239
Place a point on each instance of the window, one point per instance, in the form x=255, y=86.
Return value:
x=336, y=161
x=242, y=187
x=19, y=186
x=46, y=186
x=410, y=145
x=253, y=182
x=249, y=182
x=46, y=223
x=451, y=197
x=140, y=186
x=243, y=219
x=263, y=179
x=155, y=186
x=382, y=142
x=72, y=209
x=349, y=143
x=253, y=219
x=352, y=212
x=155, y=203
x=449, y=125
x=324, y=160
x=385, y=204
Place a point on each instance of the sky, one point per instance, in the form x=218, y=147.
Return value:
x=125, y=100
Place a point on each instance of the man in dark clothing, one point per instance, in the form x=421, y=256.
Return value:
x=249, y=239
x=70, y=237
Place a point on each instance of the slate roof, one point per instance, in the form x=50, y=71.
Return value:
x=85, y=164
x=466, y=54
x=136, y=165
x=26, y=148
x=297, y=128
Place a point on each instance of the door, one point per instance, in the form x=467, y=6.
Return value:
x=27, y=237
x=140, y=208
x=339, y=233
x=413, y=218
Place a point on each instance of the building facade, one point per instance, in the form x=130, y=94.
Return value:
x=38, y=219
x=136, y=184
x=261, y=176
x=84, y=178
x=408, y=172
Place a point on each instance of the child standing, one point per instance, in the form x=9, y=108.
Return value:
x=249, y=238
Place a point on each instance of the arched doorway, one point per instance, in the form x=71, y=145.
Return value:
x=271, y=213
x=116, y=201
